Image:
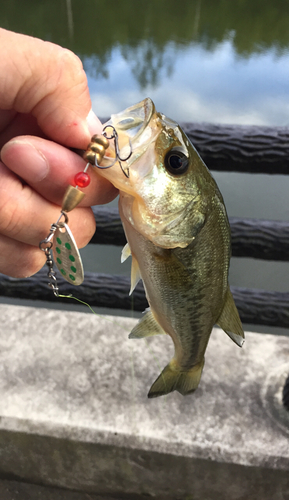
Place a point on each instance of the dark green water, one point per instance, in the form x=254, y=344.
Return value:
x=93, y=28
x=204, y=60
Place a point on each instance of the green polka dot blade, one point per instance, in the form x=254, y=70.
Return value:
x=66, y=255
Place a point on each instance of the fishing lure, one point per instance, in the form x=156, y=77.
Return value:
x=59, y=246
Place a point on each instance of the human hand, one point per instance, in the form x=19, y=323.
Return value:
x=45, y=108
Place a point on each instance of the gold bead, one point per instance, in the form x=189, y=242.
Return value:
x=100, y=139
x=98, y=157
x=71, y=199
x=89, y=156
x=98, y=145
x=98, y=148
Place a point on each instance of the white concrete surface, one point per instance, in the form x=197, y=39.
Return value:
x=74, y=411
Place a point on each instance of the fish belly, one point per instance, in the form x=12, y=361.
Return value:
x=184, y=290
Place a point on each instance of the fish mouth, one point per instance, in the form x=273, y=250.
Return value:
x=133, y=120
x=130, y=134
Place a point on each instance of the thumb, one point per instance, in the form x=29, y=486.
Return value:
x=49, y=82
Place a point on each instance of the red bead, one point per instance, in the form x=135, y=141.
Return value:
x=82, y=179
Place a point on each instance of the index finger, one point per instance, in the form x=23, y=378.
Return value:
x=47, y=81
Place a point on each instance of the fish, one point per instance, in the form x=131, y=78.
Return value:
x=178, y=236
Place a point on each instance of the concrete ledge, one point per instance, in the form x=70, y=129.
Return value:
x=74, y=412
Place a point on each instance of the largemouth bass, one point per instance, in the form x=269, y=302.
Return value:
x=178, y=235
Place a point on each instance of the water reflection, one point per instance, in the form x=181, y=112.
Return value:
x=147, y=62
x=203, y=60
x=202, y=86
x=93, y=28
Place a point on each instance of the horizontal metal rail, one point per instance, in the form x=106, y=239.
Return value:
x=225, y=148
x=255, y=238
x=103, y=290
x=240, y=148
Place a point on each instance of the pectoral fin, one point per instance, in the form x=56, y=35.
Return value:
x=135, y=274
x=125, y=253
x=146, y=327
x=173, y=379
x=229, y=320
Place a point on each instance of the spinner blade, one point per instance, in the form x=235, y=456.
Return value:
x=66, y=255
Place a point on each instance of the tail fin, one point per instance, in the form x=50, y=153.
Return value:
x=173, y=379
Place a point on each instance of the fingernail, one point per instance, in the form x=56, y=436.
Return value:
x=94, y=124
x=26, y=160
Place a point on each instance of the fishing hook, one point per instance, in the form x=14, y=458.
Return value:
x=118, y=158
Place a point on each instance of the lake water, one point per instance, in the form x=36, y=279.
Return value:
x=213, y=61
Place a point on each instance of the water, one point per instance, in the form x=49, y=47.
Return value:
x=216, y=61
x=204, y=60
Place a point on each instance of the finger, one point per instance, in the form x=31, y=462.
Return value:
x=25, y=216
x=49, y=168
x=6, y=116
x=19, y=124
x=19, y=260
x=47, y=81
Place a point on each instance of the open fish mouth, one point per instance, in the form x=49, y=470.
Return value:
x=133, y=120
x=129, y=135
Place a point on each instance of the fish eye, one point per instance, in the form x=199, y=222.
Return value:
x=176, y=162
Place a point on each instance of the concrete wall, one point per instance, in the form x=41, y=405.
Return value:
x=75, y=415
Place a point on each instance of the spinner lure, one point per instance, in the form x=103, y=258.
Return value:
x=59, y=246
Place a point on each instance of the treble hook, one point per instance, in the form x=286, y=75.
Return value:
x=118, y=158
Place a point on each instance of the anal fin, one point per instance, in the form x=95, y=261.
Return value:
x=146, y=327
x=229, y=320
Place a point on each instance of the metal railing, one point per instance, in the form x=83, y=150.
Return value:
x=226, y=148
